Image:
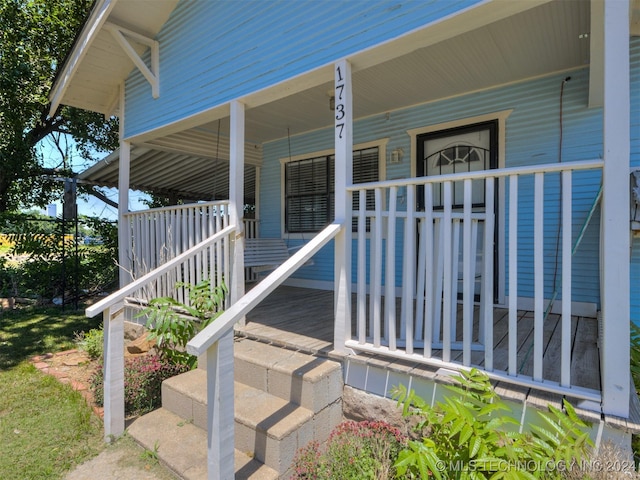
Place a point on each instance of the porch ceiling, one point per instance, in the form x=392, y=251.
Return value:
x=549, y=37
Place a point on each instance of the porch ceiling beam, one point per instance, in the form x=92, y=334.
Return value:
x=198, y=144
x=123, y=36
x=596, y=49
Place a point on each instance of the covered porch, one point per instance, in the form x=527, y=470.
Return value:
x=459, y=252
x=302, y=319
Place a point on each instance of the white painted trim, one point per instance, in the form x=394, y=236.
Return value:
x=614, y=244
x=124, y=171
x=90, y=31
x=382, y=171
x=596, y=54
x=343, y=140
x=501, y=117
x=236, y=197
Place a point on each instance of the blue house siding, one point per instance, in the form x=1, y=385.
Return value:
x=532, y=137
x=212, y=52
x=635, y=162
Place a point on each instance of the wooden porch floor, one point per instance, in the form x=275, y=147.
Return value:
x=302, y=319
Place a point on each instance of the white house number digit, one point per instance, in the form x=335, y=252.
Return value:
x=340, y=113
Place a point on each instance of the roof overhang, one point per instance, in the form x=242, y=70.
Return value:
x=495, y=43
x=108, y=47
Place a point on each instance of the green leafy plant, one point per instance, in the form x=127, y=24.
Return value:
x=466, y=436
x=354, y=451
x=143, y=377
x=91, y=342
x=635, y=375
x=173, y=323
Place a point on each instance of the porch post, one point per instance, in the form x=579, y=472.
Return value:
x=343, y=205
x=615, y=212
x=124, y=232
x=236, y=198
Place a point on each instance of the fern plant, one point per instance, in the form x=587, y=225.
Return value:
x=172, y=323
x=466, y=436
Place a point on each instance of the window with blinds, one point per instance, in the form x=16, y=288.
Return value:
x=310, y=189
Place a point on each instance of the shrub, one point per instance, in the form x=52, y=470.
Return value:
x=464, y=437
x=354, y=451
x=91, y=342
x=173, y=323
x=143, y=377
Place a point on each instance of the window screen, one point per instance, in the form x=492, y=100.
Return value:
x=310, y=187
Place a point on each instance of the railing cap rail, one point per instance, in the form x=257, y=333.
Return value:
x=481, y=174
x=178, y=207
x=125, y=291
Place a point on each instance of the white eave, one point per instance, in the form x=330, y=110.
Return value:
x=109, y=46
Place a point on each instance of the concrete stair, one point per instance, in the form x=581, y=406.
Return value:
x=283, y=400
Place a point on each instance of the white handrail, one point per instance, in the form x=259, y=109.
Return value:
x=223, y=324
x=177, y=207
x=481, y=174
x=121, y=294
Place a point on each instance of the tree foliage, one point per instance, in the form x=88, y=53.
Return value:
x=35, y=36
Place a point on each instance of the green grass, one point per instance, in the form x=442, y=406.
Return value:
x=46, y=427
x=34, y=331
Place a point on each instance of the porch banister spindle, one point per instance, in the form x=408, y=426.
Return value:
x=362, y=268
x=376, y=270
x=565, y=367
x=429, y=269
x=513, y=275
x=538, y=309
x=390, y=275
x=486, y=316
x=408, y=283
x=447, y=300
x=468, y=282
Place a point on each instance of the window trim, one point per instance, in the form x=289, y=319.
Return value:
x=381, y=144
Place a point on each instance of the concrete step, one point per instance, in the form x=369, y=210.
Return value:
x=182, y=447
x=302, y=379
x=267, y=427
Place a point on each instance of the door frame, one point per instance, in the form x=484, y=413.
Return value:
x=500, y=118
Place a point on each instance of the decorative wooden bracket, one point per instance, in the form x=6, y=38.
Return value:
x=124, y=37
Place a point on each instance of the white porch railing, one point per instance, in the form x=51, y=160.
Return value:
x=216, y=340
x=445, y=263
x=215, y=251
x=158, y=235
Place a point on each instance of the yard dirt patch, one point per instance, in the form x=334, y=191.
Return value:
x=73, y=367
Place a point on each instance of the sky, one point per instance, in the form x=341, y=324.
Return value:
x=89, y=206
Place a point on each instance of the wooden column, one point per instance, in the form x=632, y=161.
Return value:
x=220, y=416
x=113, y=375
x=343, y=178
x=124, y=232
x=236, y=198
x=615, y=286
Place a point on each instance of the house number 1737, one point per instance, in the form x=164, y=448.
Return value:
x=340, y=111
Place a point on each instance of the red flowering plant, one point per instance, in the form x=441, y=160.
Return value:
x=143, y=377
x=355, y=450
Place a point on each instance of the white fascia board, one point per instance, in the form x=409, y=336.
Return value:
x=91, y=28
